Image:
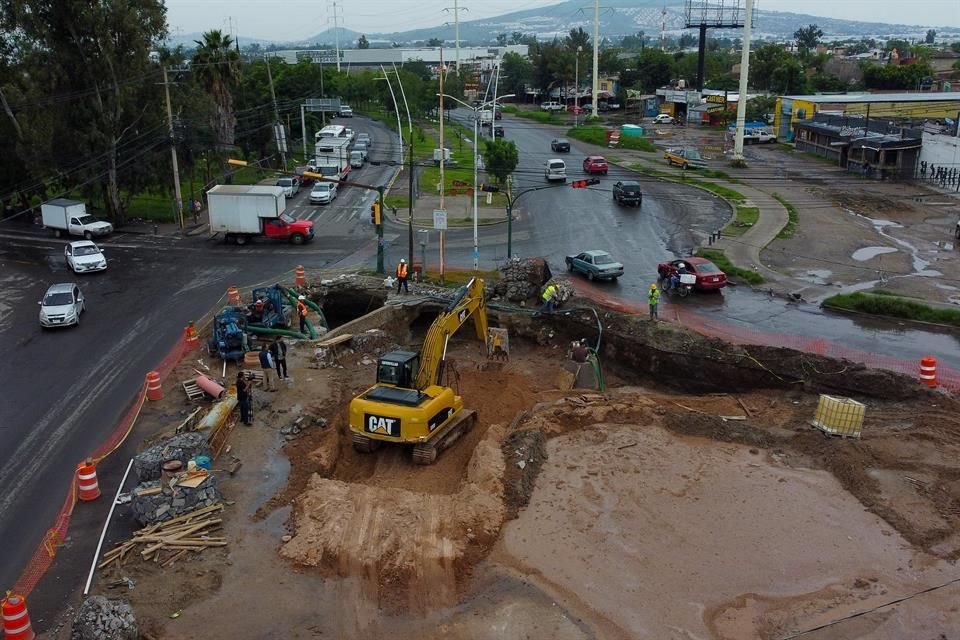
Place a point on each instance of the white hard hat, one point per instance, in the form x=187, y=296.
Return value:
x=403, y=260
x=681, y=265
x=302, y=298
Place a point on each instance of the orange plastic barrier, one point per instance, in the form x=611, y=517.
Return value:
x=300, y=276
x=16, y=620
x=87, y=487
x=233, y=296
x=928, y=371
x=154, y=388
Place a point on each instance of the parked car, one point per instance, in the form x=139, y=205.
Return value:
x=686, y=158
x=560, y=145
x=595, y=164
x=290, y=186
x=613, y=105
x=551, y=106
x=628, y=192
x=709, y=276
x=83, y=256
x=555, y=169
x=61, y=306
x=346, y=111
x=575, y=109
x=498, y=131
x=758, y=136
x=663, y=118
x=596, y=265
x=323, y=193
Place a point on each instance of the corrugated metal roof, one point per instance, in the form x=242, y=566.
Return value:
x=873, y=98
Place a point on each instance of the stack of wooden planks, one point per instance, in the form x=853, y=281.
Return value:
x=167, y=542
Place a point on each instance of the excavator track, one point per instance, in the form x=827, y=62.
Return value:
x=427, y=452
x=363, y=444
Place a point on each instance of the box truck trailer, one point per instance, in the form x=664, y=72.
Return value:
x=242, y=212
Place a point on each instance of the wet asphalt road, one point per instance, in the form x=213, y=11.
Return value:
x=65, y=390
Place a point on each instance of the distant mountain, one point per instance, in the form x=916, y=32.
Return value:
x=618, y=18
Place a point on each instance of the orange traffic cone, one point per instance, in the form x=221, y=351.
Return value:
x=300, y=277
x=16, y=620
x=87, y=487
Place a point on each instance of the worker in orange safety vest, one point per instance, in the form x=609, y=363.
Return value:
x=402, y=276
x=302, y=312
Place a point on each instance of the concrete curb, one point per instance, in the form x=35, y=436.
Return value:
x=416, y=225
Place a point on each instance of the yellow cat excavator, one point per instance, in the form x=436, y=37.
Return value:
x=408, y=405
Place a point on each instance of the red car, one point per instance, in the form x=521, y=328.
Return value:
x=595, y=164
x=709, y=277
x=574, y=109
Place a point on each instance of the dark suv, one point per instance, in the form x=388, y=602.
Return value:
x=560, y=145
x=628, y=193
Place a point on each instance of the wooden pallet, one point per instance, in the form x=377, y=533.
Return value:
x=254, y=375
x=193, y=391
x=833, y=434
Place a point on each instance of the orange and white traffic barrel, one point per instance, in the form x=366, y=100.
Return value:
x=16, y=619
x=87, y=486
x=928, y=371
x=233, y=296
x=300, y=276
x=154, y=388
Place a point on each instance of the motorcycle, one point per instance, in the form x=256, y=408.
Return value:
x=680, y=285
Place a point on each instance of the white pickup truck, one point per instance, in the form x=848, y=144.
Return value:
x=758, y=136
x=552, y=106
x=70, y=217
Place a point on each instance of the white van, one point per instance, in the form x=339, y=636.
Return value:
x=555, y=169
x=356, y=159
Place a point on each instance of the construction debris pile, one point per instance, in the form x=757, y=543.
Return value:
x=101, y=619
x=167, y=542
x=159, y=501
x=183, y=447
x=522, y=280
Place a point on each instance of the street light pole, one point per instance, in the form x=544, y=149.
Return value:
x=476, y=188
x=576, y=88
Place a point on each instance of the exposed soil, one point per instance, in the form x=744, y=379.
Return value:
x=637, y=512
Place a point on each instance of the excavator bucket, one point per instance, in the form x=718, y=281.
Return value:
x=498, y=344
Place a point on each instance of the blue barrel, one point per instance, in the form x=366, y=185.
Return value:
x=204, y=462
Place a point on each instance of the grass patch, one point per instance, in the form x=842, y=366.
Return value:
x=715, y=173
x=721, y=260
x=509, y=108
x=745, y=218
x=791, y=228
x=783, y=146
x=598, y=136
x=453, y=279
x=396, y=202
x=544, y=117
x=893, y=306
x=684, y=177
x=719, y=189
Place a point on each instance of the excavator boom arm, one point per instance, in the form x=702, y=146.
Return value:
x=469, y=304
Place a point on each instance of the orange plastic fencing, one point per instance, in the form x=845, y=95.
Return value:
x=947, y=377
x=44, y=556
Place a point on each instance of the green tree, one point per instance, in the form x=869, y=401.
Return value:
x=687, y=40
x=931, y=36
x=891, y=76
x=788, y=78
x=654, y=69
x=609, y=62
x=900, y=45
x=362, y=42
x=95, y=58
x=577, y=38
x=765, y=59
x=808, y=37
x=434, y=42
x=501, y=39
x=500, y=158
x=216, y=65
x=759, y=107
x=516, y=73
x=517, y=37
x=955, y=47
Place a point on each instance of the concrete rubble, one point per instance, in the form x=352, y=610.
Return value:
x=102, y=619
x=171, y=502
x=182, y=447
x=522, y=280
x=301, y=424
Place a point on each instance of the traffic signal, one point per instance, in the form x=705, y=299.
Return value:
x=375, y=212
x=583, y=184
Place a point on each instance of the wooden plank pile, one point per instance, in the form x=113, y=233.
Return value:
x=167, y=542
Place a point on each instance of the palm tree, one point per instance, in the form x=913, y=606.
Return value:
x=216, y=64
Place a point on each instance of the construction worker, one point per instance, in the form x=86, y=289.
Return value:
x=653, y=299
x=402, y=276
x=302, y=312
x=266, y=365
x=549, y=296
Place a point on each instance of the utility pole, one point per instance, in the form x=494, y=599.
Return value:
x=576, y=88
x=173, y=152
x=336, y=32
x=406, y=107
x=744, y=74
x=456, y=29
x=443, y=162
x=278, y=130
x=596, y=53
x=400, y=136
x=303, y=131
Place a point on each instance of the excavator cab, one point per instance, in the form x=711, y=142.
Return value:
x=398, y=369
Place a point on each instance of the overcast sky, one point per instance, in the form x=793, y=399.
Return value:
x=298, y=19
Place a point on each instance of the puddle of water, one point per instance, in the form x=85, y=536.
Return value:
x=816, y=276
x=946, y=287
x=867, y=253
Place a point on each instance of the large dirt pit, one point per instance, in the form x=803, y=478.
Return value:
x=633, y=513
